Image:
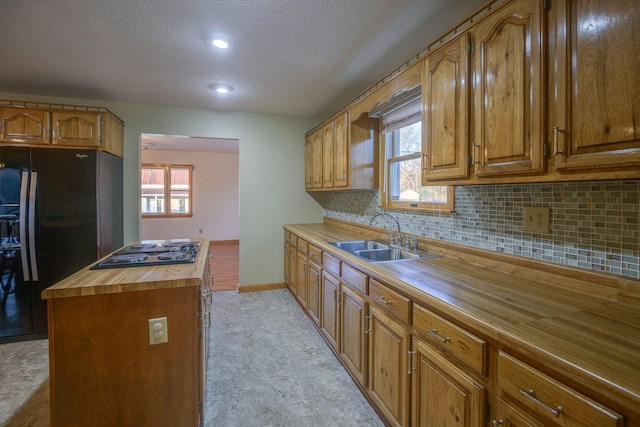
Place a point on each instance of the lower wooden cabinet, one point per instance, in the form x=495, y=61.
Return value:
x=388, y=367
x=442, y=393
x=509, y=416
x=542, y=400
x=330, y=286
x=354, y=341
x=314, y=279
x=301, y=278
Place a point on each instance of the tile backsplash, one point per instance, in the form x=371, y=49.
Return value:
x=594, y=225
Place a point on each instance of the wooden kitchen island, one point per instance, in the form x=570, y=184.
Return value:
x=103, y=369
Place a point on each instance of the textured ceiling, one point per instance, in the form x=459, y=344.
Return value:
x=292, y=57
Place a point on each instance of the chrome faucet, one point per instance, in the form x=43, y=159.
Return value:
x=399, y=239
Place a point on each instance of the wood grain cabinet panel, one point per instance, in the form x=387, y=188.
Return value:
x=327, y=156
x=340, y=151
x=330, y=318
x=442, y=393
x=388, y=367
x=509, y=90
x=76, y=129
x=543, y=399
x=354, y=342
x=597, y=84
x=445, y=122
x=25, y=126
x=391, y=301
x=301, y=278
x=316, y=152
x=314, y=296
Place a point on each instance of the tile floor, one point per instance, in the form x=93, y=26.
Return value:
x=268, y=366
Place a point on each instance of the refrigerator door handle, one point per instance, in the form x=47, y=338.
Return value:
x=32, y=225
x=23, y=226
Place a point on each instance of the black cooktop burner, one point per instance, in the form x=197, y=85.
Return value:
x=171, y=255
x=150, y=253
x=128, y=258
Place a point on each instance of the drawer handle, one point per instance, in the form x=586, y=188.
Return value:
x=383, y=299
x=531, y=395
x=496, y=423
x=367, y=327
x=434, y=332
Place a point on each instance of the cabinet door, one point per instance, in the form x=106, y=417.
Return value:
x=76, y=129
x=293, y=255
x=445, y=142
x=330, y=315
x=327, y=156
x=354, y=335
x=341, y=152
x=316, y=151
x=443, y=394
x=301, y=279
x=388, y=376
x=313, y=288
x=25, y=126
x=597, y=119
x=509, y=90
x=308, y=164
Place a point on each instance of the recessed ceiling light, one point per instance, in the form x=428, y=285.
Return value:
x=220, y=43
x=221, y=88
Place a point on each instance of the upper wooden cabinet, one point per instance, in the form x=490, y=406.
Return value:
x=327, y=156
x=76, y=129
x=25, y=126
x=342, y=154
x=445, y=122
x=316, y=159
x=508, y=92
x=596, y=84
x=71, y=127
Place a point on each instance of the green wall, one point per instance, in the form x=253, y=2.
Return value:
x=271, y=172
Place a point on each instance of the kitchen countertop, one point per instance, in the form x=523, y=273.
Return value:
x=116, y=280
x=572, y=322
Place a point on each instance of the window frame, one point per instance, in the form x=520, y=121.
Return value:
x=387, y=158
x=167, y=167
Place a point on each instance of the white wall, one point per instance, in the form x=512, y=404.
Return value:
x=271, y=172
x=216, y=203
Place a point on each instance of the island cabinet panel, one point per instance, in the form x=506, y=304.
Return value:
x=597, y=85
x=104, y=372
x=509, y=90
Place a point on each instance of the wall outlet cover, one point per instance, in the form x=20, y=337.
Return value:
x=158, y=332
x=536, y=219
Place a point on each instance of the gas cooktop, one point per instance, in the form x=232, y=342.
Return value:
x=150, y=253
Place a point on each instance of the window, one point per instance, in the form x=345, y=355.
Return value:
x=402, y=169
x=160, y=183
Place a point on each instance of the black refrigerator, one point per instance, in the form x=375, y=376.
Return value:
x=60, y=210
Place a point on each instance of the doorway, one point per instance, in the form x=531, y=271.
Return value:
x=214, y=193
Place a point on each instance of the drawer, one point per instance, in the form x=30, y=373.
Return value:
x=549, y=399
x=330, y=263
x=302, y=245
x=315, y=255
x=451, y=339
x=293, y=239
x=389, y=300
x=355, y=278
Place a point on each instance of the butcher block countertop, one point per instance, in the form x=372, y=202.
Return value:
x=584, y=325
x=131, y=279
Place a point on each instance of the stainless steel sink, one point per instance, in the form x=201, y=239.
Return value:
x=375, y=251
x=359, y=245
x=392, y=254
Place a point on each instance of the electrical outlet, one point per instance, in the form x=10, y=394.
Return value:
x=356, y=205
x=200, y=231
x=158, y=332
x=536, y=219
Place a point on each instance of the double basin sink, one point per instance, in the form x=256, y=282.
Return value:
x=375, y=251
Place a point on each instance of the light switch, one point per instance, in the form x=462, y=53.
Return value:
x=158, y=332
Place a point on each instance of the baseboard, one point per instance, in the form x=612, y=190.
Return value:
x=263, y=287
x=222, y=242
